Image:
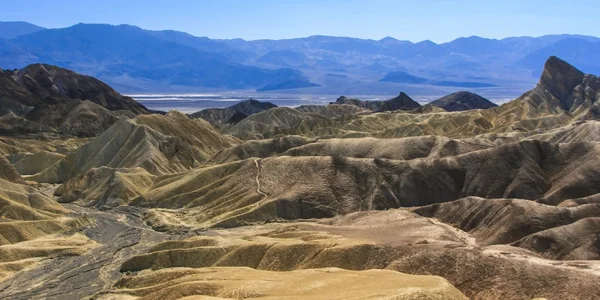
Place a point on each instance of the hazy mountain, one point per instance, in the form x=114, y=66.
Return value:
x=132, y=58
x=584, y=53
x=11, y=30
x=403, y=77
x=113, y=51
x=288, y=84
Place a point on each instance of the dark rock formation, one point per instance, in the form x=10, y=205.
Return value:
x=400, y=102
x=460, y=101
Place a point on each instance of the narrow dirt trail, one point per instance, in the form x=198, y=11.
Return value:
x=257, y=178
x=257, y=163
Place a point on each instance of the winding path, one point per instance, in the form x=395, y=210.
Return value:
x=257, y=163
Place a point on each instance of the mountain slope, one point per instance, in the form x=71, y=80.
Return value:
x=11, y=30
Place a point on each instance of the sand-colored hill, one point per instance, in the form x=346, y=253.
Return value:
x=160, y=144
x=394, y=148
x=105, y=186
x=14, y=148
x=259, y=148
x=244, y=283
x=29, y=223
x=238, y=283
x=393, y=240
x=28, y=163
x=284, y=187
x=87, y=119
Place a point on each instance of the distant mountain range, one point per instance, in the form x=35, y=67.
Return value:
x=11, y=30
x=133, y=59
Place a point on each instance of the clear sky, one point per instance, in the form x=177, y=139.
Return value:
x=414, y=20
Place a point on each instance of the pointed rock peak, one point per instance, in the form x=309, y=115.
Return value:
x=555, y=65
x=403, y=101
x=560, y=78
x=402, y=94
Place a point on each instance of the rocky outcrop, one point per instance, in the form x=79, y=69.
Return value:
x=400, y=102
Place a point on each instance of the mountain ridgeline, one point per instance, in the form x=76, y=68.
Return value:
x=134, y=59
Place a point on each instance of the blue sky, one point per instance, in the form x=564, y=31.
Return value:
x=436, y=20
